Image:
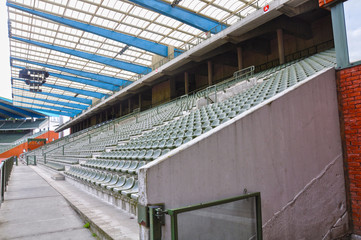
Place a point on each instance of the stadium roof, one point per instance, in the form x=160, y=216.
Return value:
x=8, y=110
x=93, y=48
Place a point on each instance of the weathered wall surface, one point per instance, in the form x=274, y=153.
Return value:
x=349, y=88
x=288, y=148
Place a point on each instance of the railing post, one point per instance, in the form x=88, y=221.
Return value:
x=156, y=220
x=2, y=181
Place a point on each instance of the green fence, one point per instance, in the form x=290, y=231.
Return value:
x=31, y=160
x=233, y=218
x=6, y=167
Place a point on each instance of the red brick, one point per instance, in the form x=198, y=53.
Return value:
x=349, y=88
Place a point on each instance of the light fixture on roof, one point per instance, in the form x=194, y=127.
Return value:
x=175, y=2
x=123, y=50
x=34, y=78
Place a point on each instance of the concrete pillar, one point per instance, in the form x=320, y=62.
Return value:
x=120, y=109
x=240, y=58
x=140, y=101
x=281, y=49
x=172, y=88
x=186, y=82
x=210, y=73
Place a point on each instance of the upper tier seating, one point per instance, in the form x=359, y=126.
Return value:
x=6, y=137
x=20, y=124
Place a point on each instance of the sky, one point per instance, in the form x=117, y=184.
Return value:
x=5, y=82
x=353, y=28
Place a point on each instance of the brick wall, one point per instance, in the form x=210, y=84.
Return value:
x=349, y=87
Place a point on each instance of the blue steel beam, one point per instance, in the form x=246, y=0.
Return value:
x=102, y=78
x=72, y=105
x=93, y=83
x=74, y=99
x=20, y=111
x=69, y=110
x=10, y=114
x=131, y=67
x=52, y=111
x=182, y=15
x=116, y=36
x=69, y=89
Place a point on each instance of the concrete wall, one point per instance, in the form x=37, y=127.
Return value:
x=288, y=148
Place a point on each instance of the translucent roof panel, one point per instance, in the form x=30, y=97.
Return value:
x=120, y=16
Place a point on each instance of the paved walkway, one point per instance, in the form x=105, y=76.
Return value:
x=35, y=210
x=111, y=221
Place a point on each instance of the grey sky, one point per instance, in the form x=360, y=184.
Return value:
x=5, y=83
x=353, y=27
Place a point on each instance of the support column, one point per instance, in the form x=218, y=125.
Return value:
x=172, y=88
x=140, y=101
x=129, y=104
x=186, y=82
x=120, y=109
x=240, y=58
x=281, y=49
x=210, y=73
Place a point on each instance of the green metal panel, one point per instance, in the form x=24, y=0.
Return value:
x=339, y=34
x=143, y=217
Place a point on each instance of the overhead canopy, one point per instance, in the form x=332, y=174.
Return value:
x=8, y=110
x=92, y=48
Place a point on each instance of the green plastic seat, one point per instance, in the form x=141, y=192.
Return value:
x=149, y=154
x=142, y=154
x=113, y=181
x=140, y=164
x=132, y=166
x=106, y=180
x=125, y=166
x=178, y=142
x=162, y=143
x=170, y=143
x=120, y=183
x=155, y=155
x=134, y=189
x=129, y=183
x=120, y=165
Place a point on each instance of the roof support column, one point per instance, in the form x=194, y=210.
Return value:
x=129, y=105
x=172, y=88
x=281, y=49
x=186, y=82
x=210, y=73
x=120, y=109
x=140, y=101
x=240, y=57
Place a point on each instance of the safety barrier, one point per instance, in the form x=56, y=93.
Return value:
x=233, y=218
x=6, y=167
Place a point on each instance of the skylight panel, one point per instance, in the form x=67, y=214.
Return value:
x=194, y=5
x=214, y=12
x=172, y=23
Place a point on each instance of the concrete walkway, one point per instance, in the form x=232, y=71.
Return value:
x=35, y=210
x=106, y=220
